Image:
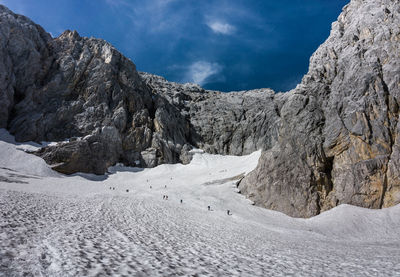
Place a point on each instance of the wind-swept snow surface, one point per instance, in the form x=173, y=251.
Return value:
x=53, y=225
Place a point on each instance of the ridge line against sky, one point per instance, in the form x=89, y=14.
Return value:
x=221, y=45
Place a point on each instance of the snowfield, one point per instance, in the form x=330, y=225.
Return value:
x=56, y=225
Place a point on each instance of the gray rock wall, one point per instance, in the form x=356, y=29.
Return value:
x=85, y=91
x=338, y=138
x=235, y=123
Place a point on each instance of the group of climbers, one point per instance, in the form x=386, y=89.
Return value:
x=165, y=197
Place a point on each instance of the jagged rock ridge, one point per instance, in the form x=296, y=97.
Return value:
x=235, y=123
x=332, y=140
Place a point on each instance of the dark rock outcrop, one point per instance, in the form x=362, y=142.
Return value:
x=332, y=140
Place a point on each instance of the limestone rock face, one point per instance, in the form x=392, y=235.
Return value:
x=332, y=140
x=82, y=90
x=23, y=60
x=235, y=123
x=338, y=139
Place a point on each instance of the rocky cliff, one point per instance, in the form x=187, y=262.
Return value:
x=235, y=123
x=332, y=140
x=83, y=92
x=338, y=132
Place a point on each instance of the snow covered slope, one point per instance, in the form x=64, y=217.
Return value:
x=56, y=225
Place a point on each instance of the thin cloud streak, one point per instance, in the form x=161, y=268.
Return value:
x=221, y=28
x=200, y=72
x=152, y=15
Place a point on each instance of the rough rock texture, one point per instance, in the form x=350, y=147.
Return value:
x=235, y=123
x=85, y=91
x=338, y=134
x=332, y=140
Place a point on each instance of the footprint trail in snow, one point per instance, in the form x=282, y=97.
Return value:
x=53, y=225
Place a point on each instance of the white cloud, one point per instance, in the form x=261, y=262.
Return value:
x=200, y=72
x=221, y=28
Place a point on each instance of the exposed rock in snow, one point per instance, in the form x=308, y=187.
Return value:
x=332, y=140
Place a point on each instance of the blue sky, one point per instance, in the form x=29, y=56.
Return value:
x=219, y=44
